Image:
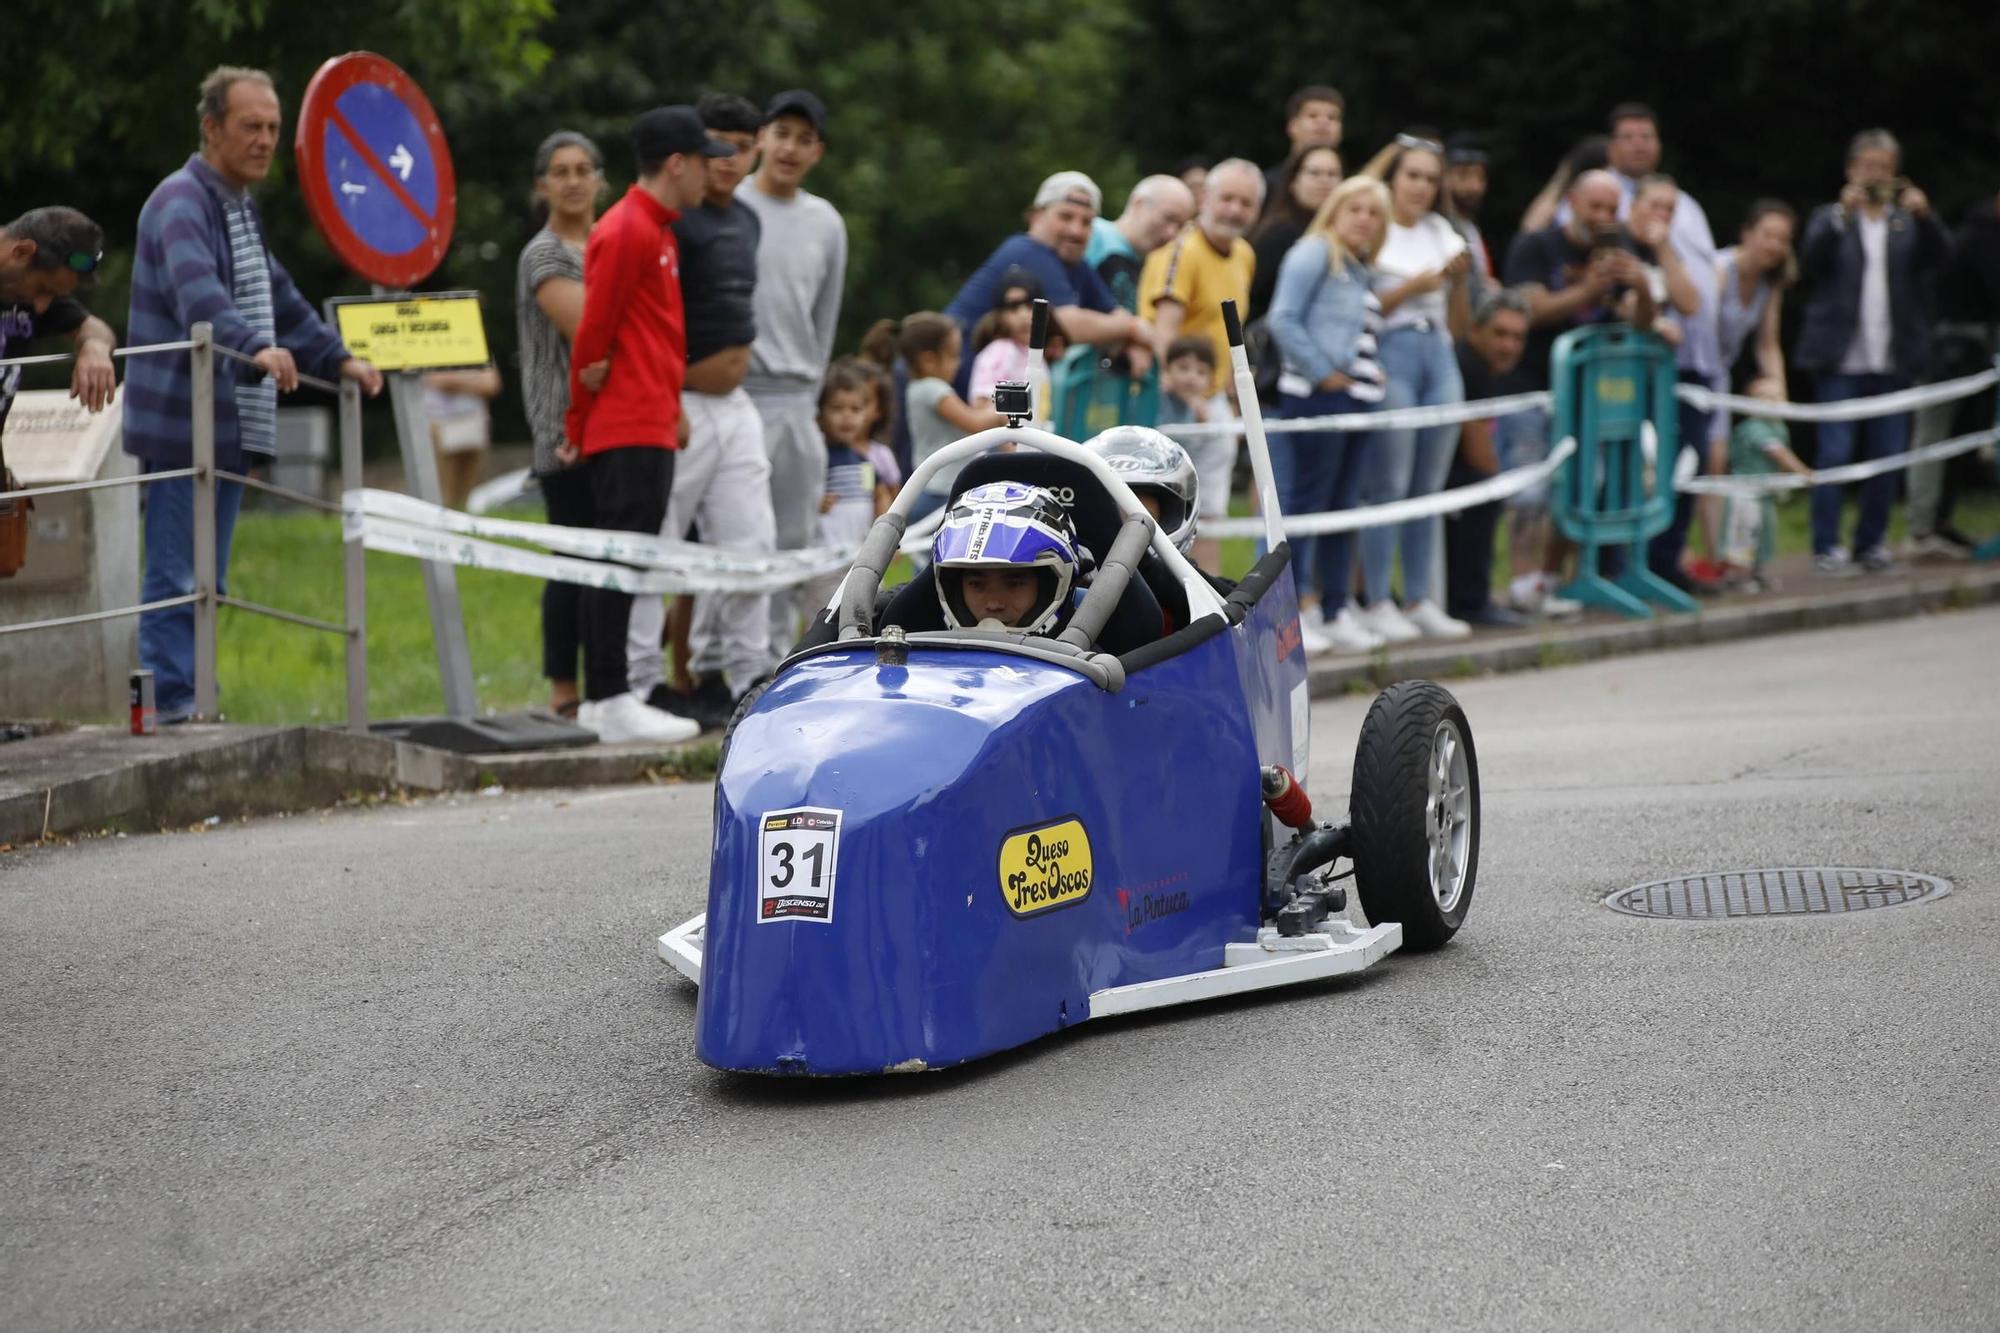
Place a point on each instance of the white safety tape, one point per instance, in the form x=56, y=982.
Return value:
x=397, y=538
x=504, y=489
x=1834, y=476
x=687, y=560
x=1393, y=418
x=1850, y=409
x=1397, y=511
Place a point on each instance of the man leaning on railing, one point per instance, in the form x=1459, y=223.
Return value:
x=202, y=256
x=45, y=255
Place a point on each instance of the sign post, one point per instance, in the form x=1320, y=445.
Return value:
x=378, y=182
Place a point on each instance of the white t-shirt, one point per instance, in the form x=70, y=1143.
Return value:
x=1869, y=354
x=1409, y=252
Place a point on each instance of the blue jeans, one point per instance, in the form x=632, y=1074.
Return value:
x=166, y=638
x=1317, y=472
x=1422, y=371
x=1880, y=437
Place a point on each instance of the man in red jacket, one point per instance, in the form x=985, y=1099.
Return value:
x=627, y=362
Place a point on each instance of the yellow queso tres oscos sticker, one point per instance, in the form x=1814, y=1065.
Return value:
x=1045, y=867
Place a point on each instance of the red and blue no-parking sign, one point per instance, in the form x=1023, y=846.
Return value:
x=375, y=169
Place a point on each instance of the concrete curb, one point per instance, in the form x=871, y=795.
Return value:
x=1561, y=645
x=94, y=778
x=100, y=778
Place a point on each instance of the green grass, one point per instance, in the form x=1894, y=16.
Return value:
x=272, y=672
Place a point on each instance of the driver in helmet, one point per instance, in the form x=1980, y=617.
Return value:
x=1006, y=558
x=1163, y=477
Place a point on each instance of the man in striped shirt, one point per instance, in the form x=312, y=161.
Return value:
x=201, y=255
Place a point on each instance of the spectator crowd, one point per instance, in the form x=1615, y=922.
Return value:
x=681, y=374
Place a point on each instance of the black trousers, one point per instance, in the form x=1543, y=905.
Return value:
x=566, y=498
x=1468, y=547
x=1663, y=553
x=628, y=493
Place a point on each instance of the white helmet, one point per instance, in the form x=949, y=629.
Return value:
x=1152, y=464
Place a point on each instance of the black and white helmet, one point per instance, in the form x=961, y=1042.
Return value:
x=1152, y=464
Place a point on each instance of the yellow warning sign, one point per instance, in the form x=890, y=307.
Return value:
x=436, y=332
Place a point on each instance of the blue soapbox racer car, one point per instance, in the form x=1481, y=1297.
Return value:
x=933, y=845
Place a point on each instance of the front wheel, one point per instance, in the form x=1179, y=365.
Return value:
x=1415, y=813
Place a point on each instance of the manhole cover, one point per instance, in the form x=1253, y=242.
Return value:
x=1794, y=891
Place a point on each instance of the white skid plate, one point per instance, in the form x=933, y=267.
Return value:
x=680, y=948
x=1271, y=960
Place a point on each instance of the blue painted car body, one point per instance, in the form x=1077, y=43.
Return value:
x=1011, y=838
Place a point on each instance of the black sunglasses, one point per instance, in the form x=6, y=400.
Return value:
x=82, y=261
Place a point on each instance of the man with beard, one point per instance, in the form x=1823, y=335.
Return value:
x=1185, y=282
x=1465, y=182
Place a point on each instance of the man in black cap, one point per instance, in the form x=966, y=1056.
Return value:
x=1465, y=184
x=625, y=408
x=801, y=266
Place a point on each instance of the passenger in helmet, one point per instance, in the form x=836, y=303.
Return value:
x=1006, y=558
x=1163, y=477
x=1159, y=472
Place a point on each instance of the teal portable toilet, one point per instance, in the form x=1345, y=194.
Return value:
x=1614, y=391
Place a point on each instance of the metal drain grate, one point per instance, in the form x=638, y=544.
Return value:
x=1793, y=891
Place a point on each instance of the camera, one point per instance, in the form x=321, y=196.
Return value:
x=1884, y=192
x=1012, y=400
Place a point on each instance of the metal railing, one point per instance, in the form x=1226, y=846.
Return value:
x=202, y=349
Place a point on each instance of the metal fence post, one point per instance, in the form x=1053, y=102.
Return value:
x=201, y=366
x=354, y=574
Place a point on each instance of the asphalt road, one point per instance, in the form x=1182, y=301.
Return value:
x=419, y=1068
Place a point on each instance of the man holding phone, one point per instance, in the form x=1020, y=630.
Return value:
x=1582, y=270
x=1868, y=257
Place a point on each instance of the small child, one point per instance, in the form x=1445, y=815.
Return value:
x=861, y=472
x=929, y=345
x=1187, y=395
x=1758, y=446
x=1000, y=341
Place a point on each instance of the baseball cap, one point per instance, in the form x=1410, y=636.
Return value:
x=666, y=130
x=1073, y=186
x=797, y=102
x=1465, y=150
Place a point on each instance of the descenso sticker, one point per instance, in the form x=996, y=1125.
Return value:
x=1045, y=867
x=797, y=855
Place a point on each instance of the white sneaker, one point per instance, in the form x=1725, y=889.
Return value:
x=1558, y=608
x=1346, y=634
x=630, y=718
x=1432, y=622
x=1392, y=625
x=1535, y=595
x=1313, y=616
x=1311, y=637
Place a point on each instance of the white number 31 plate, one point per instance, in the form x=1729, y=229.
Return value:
x=795, y=864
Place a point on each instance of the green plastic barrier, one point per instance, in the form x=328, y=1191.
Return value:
x=1090, y=395
x=1614, y=395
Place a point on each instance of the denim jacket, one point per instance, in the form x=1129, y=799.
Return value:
x=1316, y=314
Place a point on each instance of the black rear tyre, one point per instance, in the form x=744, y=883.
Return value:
x=1415, y=813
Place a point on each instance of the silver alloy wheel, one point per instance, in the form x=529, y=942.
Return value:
x=1448, y=815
